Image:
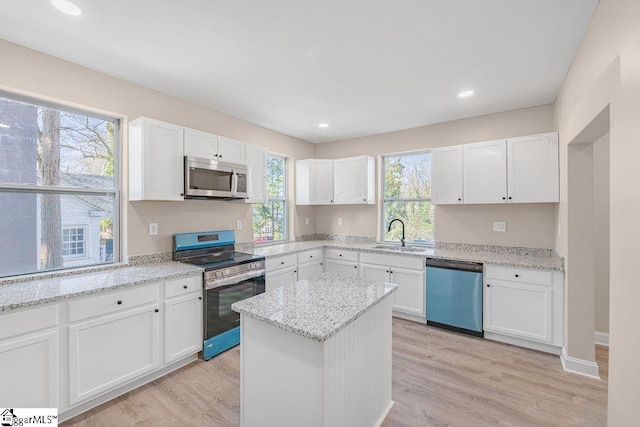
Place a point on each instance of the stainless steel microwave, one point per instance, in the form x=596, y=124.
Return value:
x=209, y=179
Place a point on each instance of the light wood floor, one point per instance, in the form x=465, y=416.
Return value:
x=440, y=378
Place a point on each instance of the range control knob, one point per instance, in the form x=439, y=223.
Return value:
x=225, y=272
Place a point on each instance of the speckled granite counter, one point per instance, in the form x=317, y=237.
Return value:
x=544, y=259
x=36, y=292
x=317, y=308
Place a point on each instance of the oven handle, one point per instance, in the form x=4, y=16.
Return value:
x=232, y=280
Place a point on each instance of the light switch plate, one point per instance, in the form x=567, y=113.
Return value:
x=500, y=226
x=239, y=224
x=306, y=221
x=153, y=229
x=339, y=221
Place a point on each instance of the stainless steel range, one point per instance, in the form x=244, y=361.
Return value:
x=229, y=276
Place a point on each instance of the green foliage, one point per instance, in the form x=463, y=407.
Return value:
x=269, y=219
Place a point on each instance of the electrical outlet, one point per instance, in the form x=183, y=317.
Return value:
x=239, y=224
x=500, y=226
x=153, y=229
x=306, y=221
x=339, y=221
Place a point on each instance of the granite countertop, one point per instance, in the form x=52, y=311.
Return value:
x=543, y=259
x=316, y=308
x=42, y=291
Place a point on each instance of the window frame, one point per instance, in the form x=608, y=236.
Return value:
x=385, y=200
x=116, y=192
x=285, y=213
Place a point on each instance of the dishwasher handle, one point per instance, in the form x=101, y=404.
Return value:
x=454, y=265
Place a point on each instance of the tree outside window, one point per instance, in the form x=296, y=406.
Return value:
x=270, y=219
x=407, y=195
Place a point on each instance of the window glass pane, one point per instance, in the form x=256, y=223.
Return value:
x=269, y=221
x=407, y=176
x=417, y=218
x=45, y=146
x=275, y=177
x=52, y=231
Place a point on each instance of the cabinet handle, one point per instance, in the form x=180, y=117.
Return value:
x=156, y=310
x=200, y=298
x=182, y=194
x=459, y=199
x=185, y=286
x=488, y=285
x=215, y=155
x=391, y=271
x=510, y=197
x=119, y=302
x=387, y=271
x=504, y=198
x=220, y=156
x=310, y=256
x=295, y=271
x=517, y=275
x=330, y=201
x=364, y=200
x=340, y=255
x=281, y=262
x=322, y=263
x=355, y=266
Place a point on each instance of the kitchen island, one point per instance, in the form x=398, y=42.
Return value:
x=317, y=353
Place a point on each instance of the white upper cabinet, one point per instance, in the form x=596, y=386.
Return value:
x=230, y=150
x=485, y=172
x=213, y=147
x=200, y=144
x=533, y=168
x=446, y=175
x=155, y=160
x=354, y=180
x=314, y=182
x=256, y=161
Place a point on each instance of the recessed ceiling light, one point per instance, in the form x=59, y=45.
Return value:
x=465, y=93
x=323, y=125
x=66, y=7
x=2, y=125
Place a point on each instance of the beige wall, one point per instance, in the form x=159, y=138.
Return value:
x=43, y=76
x=531, y=225
x=606, y=71
x=601, y=208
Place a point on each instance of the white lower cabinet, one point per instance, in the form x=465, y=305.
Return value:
x=342, y=261
x=405, y=271
x=287, y=269
x=525, y=304
x=29, y=358
x=108, y=351
x=183, y=318
x=310, y=263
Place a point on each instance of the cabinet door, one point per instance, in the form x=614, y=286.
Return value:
x=200, y=144
x=374, y=272
x=354, y=180
x=283, y=277
x=256, y=160
x=230, y=150
x=183, y=334
x=29, y=370
x=533, y=168
x=109, y=351
x=349, y=269
x=163, y=162
x=485, y=172
x=310, y=269
x=321, y=182
x=409, y=298
x=519, y=309
x=446, y=175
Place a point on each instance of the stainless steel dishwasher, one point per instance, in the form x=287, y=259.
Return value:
x=454, y=296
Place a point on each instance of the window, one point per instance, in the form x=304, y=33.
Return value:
x=270, y=219
x=59, y=185
x=407, y=196
x=73, y=242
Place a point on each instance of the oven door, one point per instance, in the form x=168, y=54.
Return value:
x=220, y=294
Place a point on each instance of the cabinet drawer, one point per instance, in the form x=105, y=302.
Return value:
x=308, y=256
x=281, y=262
x=29, y=320
x=341, y=254
x=182, y=286
x=515, y=274
x=403, y=261
x=112, y=302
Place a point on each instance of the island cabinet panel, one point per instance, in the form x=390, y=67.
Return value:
x=290, y=380
x=29, y=358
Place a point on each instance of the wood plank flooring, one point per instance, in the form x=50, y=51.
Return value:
x=440, y=378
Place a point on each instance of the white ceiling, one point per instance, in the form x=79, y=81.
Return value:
x=363, y=66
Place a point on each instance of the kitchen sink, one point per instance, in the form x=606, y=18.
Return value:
x=398, y=248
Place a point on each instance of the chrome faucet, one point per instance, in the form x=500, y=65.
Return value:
x=399, y=220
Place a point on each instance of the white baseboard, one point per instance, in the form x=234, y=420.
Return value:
x=579, y=366
x=602, y=338
x=385, y=413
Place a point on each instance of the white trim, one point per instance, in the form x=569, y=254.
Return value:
x=523, y=342
x=579, y=366
x=602, y=338
x=384, y=414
